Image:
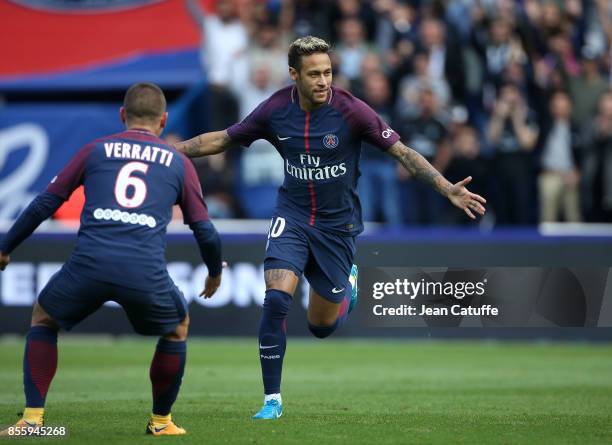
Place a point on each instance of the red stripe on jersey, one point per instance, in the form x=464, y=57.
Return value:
x=311, y=189
x=313, y=202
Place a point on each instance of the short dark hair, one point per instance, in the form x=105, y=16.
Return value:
x=306, y=46
x=144, y=101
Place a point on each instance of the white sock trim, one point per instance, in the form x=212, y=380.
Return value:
x=275, y=396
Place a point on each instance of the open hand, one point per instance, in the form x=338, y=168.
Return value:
x=466, y=200
x=211, y=286
x=212, y=283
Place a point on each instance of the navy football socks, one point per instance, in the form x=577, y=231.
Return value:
x=323, y=331
x=273, y=338
x=166, y=374
x=39, y=364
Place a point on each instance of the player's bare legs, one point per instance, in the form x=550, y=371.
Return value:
x=166, y=375
x=281, y=279
x=180, y=333
x=39, y=365
x=280, y=287
x=325, y=316
x=321, y=312
x=41, y=318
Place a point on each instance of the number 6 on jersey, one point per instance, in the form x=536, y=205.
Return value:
x=125, y=180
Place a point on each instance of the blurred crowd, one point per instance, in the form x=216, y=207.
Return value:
x=515, y=93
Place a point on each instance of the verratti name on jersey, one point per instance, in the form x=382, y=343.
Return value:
x=149, y=153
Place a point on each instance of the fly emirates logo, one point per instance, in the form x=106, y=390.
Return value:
x=311, y=169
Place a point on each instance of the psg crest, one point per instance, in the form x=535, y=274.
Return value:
x=330, y=140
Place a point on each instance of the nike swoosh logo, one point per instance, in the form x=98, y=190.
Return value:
x=282, y=139
x=157, y=430
x=32, y=424
x=337, y=291
x=267, y=347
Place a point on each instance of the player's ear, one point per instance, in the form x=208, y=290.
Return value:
x=293, y=73
x=164, y=120
x=122, y=115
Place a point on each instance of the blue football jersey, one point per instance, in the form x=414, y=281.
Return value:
x=131, y=181
x=321, y=151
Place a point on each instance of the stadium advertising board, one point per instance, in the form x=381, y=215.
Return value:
x=509, y=302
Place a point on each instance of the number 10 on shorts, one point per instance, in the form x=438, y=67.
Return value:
x=277, y=225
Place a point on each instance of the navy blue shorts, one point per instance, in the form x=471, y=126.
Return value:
x=69, y=298
x=324, y=258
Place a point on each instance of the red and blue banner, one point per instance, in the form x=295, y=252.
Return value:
x=96, y=44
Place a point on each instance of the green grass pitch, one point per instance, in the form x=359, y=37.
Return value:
x=335, y=392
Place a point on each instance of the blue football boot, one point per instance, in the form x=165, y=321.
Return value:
x=354, y=287
x=271, y=410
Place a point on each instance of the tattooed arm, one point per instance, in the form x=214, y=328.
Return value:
x=206, y=144
x=419, y=167
x=422, y=170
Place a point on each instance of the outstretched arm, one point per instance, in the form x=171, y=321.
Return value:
x=206, y=144
x=210, y=250
x=421, y=169
x=45, y=204
x=195, y=213
x=41, y=208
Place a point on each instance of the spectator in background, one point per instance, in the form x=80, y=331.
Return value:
x=351, y=48
x=598, y=27
x=225, y=39
x=459, y=14
x=498, y=48
x=445, y=55
x=561, y=54
x=258, y=87
x=597, y=171
x=544, y=18
x=587, y=89
x=559, y=178
x=397, y=39
x=395, y=30
x=466, y=160
x=268, y=48
x=378, y=184
x=311, y=17
x=464, y=51
x=410, y=88
x=352, y=9
x=513, y=134
x=520, y=75
x=371, y=64
x=426, y=134
x=515, y=73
